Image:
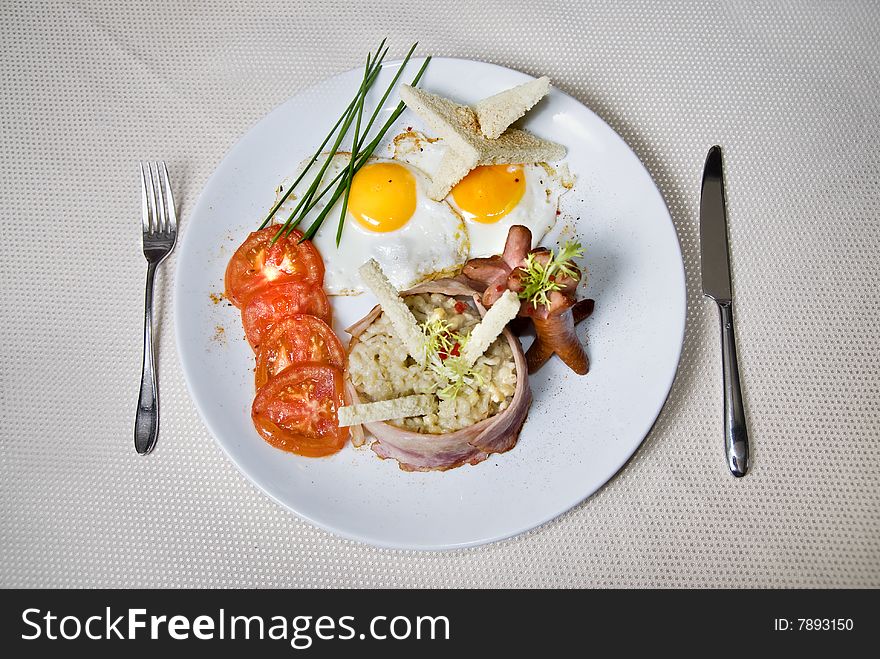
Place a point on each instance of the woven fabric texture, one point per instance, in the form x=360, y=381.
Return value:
x=87, y=89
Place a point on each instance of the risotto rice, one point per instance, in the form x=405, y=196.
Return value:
x=381, y=369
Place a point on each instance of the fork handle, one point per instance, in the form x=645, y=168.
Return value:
x=146, y=423
x=736, y=437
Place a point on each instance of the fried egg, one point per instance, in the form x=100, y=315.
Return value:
x=492, y=198
x=389, y=218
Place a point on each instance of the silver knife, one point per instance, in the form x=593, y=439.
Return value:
x=715, y=265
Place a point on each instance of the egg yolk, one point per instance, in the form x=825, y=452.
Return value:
x=382, y=196
x=490, y=192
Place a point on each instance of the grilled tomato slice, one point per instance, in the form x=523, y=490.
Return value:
x=296, y=410
x=258, y=264
x=277, y=302
x=295, y=340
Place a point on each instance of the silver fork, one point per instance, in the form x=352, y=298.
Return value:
x=160, y=235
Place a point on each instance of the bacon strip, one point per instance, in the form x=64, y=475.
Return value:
x=416, y=451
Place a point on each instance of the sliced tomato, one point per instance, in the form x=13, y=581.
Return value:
x=258, y=264
x=296, y=410
x=294, y=340
x=272, y=304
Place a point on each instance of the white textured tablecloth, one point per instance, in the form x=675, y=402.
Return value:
x=789, y=89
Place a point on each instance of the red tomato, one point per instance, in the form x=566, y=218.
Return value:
x=296, y=410
x=295, y=340
x=258, y=264
x=272, y=304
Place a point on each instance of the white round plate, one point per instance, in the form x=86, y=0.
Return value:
x=580, y=430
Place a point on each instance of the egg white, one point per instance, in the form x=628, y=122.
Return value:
x=432, y=244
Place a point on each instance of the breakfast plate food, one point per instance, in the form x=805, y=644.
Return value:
x=460, y=317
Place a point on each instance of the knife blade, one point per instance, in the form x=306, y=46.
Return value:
x=714, y=258
x=715, y=266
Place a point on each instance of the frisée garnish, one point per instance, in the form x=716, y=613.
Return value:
x=542, y=279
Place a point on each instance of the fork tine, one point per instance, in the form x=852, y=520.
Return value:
x=145, y=211
x=171, y=211
x=161, y=218
x=151, y=199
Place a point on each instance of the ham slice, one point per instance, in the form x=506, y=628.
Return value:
x=493, y=272
x=416, y=451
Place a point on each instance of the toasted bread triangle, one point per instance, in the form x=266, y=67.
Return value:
x=458, y=125
x=452, y=168
x=513, y=147
x=497, y=112
x=455, y=123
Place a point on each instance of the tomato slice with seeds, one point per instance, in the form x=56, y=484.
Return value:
x=296, y=410
x=258, y=264
x=294, y=340
x=269, y=306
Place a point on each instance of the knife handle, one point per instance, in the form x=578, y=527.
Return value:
x=736, y=437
